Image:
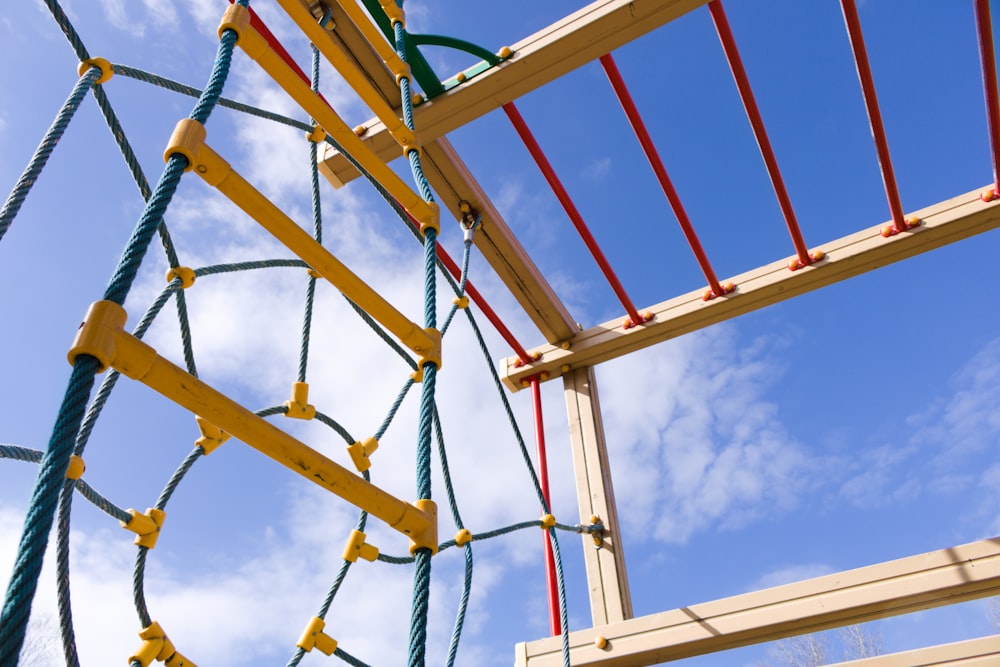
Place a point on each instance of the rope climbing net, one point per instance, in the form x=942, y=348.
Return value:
x=102, y=344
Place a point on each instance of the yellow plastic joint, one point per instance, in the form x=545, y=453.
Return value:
x=433, y=221
x=432, y=356
x=463, y=537
x=96, y=333
x=156, y=646
x=186, y=274
x=298, y=407
x=211, y=436
x=418, y=375
x=393, y=11
x=462, y=301
x=188, y=138
x=357, y=547
x=548, y=521
x=317, y=135
x=428, y=537
x=409, y=146
x=103, y=64
x=76, y=467
x=403, y=73
x=314, y=637
x=145, y=526
x=237, y=19
x=361, y=452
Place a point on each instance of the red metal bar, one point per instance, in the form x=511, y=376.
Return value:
x=874, y=115
x=984, y=27
x=555, y=620
x=757, y=123
x=478, y=298
x=639, y=127
x=571, y=210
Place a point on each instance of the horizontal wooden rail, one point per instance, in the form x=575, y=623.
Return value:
x=981, y=652
x=901, y=586
x=550, y=53
x=941, y=224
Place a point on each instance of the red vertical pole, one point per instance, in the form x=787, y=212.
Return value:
x=555, y=621
x=874, y=115
x=984, y=27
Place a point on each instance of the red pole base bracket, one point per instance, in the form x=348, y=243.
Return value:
x=628, y=323
x=891, y=230
x=727, y=288
x=814, y=256
x=989, y=194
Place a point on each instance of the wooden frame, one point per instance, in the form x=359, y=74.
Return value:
x=581, y=37
x=896, y=587
x=941, y=224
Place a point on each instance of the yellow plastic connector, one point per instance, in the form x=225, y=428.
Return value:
x=314, y=637
x=76, y=467
x=298, y=407
x=361, y=452
x=548, y=521
x=186, y=274
x=145, y=526
x=402, y=73
x=417, y=375
x=597, y=536
x=211, y=436
x=358, y=548
x=237, y=19
x=93, y=336
x=432, y=356
x=427, y=538
x=505, y=52
x=107, y=69
x=393, y=11
x=463, y=537
x=156, y=646
x=317, y=135
x=462, y=301
x=188, y=137
x=433, y=221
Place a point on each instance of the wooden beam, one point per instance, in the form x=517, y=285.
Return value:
x=981, y=652
x=878, y=591
x=550, y=53
x=610, y=599
x=454, y=183
x=941, y=224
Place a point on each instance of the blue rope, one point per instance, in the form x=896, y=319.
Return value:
x=23, y=186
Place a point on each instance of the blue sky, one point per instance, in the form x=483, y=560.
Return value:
x=836, y=430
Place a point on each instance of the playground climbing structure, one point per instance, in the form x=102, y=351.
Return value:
x=370, y=48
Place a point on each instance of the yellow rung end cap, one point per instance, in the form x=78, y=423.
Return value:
x=317, y=135
x=185, y=273
x=76, y=467
x=155, y=645
x=361, y=453
x=237, y=19
x=178, y=660
x=187, y=139
x=428, y=538
x=434, y=221
x=145, y=526
x=96, y=333
x=107, y=69
x=298, y=407
x=432, y=356
x=313, y=636
x=211, y=435
x=463, y=537
x=462, y=301
x=393, y=11
x=548, y=521
x=357, y=547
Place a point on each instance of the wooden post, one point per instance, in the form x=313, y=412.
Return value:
x=610, y=601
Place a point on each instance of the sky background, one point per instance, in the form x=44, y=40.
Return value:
x=840, y=429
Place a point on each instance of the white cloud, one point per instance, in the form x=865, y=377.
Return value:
x=704, y=448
